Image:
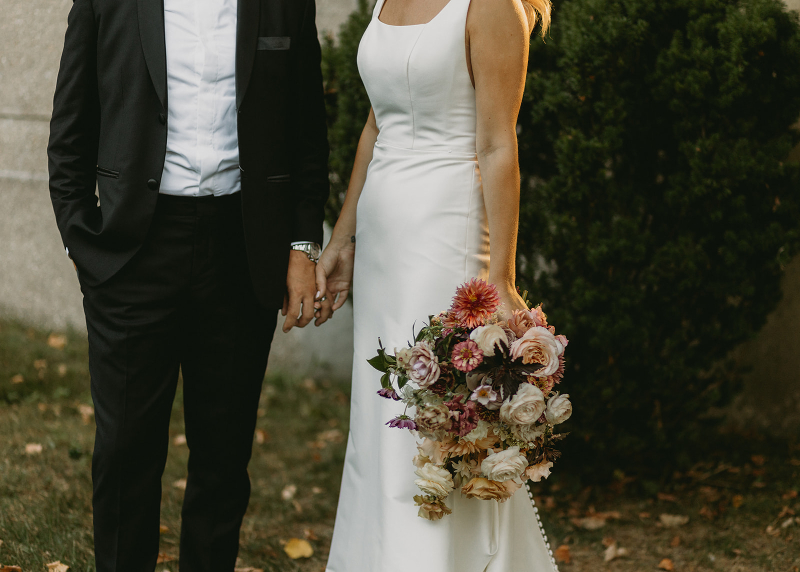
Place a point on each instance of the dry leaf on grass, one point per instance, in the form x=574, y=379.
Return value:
x=180, y=484
x=33, y=449
x=163, y=529
x=672, y=520
x=666, y=564
x=298, y=548
x=758, y=460
x=737, y=501
x=562, y=554
x=164, y=557
x=316, y=490
x=17, y=379
x=288, y=492
x=179, y=440
x=666, y=497
x=589, y=522
x=613, y=551
x=675, y=542
x=10, y=568
x=62, y=369
x=789, y=495
x=57, y=341
x=248, y=569
x=261, y=436
x=87, y=412
x=57, y=566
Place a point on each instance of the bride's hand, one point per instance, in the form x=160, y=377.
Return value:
x=335, y=275
x=510, y=299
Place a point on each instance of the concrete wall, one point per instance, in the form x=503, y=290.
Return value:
x=37, y=282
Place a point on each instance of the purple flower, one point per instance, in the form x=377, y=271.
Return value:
x=402, y=422
x=388, y=393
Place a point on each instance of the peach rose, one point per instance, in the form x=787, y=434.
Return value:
x=525, y=407
x=484, y=489
x=431, y=510
x=429, y=451
x=538, y=345
x=504, y=465
x=520, y=322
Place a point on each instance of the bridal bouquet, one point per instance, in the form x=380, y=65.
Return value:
x=482, y=394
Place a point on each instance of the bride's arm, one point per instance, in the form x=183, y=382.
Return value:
x=335, y=267
x=497, y=40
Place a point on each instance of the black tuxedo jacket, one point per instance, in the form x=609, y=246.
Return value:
x=108, y=131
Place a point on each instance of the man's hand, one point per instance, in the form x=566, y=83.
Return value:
x=300, y=300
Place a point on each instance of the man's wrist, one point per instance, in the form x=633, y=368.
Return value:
x=311, y=249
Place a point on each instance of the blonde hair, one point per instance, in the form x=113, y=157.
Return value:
x=537, y=10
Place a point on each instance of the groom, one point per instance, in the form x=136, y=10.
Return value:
x=201, y=123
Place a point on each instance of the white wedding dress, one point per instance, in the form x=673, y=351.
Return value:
x=421, y=232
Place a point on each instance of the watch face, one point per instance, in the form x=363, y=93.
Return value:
x=314, y=251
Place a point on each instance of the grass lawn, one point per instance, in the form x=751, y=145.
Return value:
x=742, y=504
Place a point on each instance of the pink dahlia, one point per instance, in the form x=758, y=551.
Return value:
x=467, y=356
x=463, y=416
x=474, y=302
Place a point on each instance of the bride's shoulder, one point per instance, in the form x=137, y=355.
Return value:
x=496, y=14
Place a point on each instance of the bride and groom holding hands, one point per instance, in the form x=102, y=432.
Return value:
x=188, y=174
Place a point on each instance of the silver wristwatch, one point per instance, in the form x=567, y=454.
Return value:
x=312, y=250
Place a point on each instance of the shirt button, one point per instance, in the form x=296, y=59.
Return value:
x=162, y=119
x=152, y=184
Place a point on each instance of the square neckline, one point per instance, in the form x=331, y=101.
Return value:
x=379, y=9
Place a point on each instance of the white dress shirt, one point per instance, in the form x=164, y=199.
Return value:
x=202, y=140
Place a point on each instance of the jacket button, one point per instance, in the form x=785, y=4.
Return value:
x=152, y=184
x=162, y=119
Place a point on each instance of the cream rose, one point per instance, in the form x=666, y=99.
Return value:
x=538, y=472
x=423, y=365
x=488, y=337
x=432, y=417
x=504, y=465
x=559, y=409
x=525, y=407
x=484, y=489
x=538, y=345
x=429, y=451
x=434, y=480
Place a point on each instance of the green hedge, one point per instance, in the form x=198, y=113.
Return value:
x=657, y=214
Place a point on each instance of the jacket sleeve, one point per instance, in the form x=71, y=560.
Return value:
x=310, y=174
x=75, y=126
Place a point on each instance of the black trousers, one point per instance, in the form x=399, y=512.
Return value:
x=184, y=302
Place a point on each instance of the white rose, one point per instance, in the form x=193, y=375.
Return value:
x=424, y=365
x=558, y=409
x=487, y=337
x=434, y=481
x=525, y=407
x=504, y=465
x=527, y=433
x=540, y=346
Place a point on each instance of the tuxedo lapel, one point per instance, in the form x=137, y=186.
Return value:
x=151, y=34
x=246, y=39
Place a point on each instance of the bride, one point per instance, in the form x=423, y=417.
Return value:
x=433, y=197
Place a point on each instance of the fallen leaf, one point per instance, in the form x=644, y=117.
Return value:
x=787, y=523
x=248, y=569
x=794, y=462
x=179, y=440
x=288, y=492
x=163, y=529
x=772, y=531
x=667, y=497
x=309, y=534
x=180, y=484
x=759, y=484
x=331, y=436
x=40, y=364
x=758, y=460
x=789, y=495
x=707, y=513
x=737, y=501
x=562, y=554
x=33, y=449
x=608, y=541
x=298, y=548
x=672, y=520
x=62, y=369
x=316, y=490
x=164, y=557
x=42, y=407
x=87, y=412
x=613, y=552
x=666, y=564
x=10, y=569
x=57, y=566
x=675, y=542
x=589, y=522
x=19, y=378
x=261, y=436
x=644, y=515
x=57, y=341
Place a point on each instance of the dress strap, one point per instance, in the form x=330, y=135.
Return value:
x=376, y=11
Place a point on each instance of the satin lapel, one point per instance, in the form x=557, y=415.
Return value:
x=151, y=34
x=246, y=39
